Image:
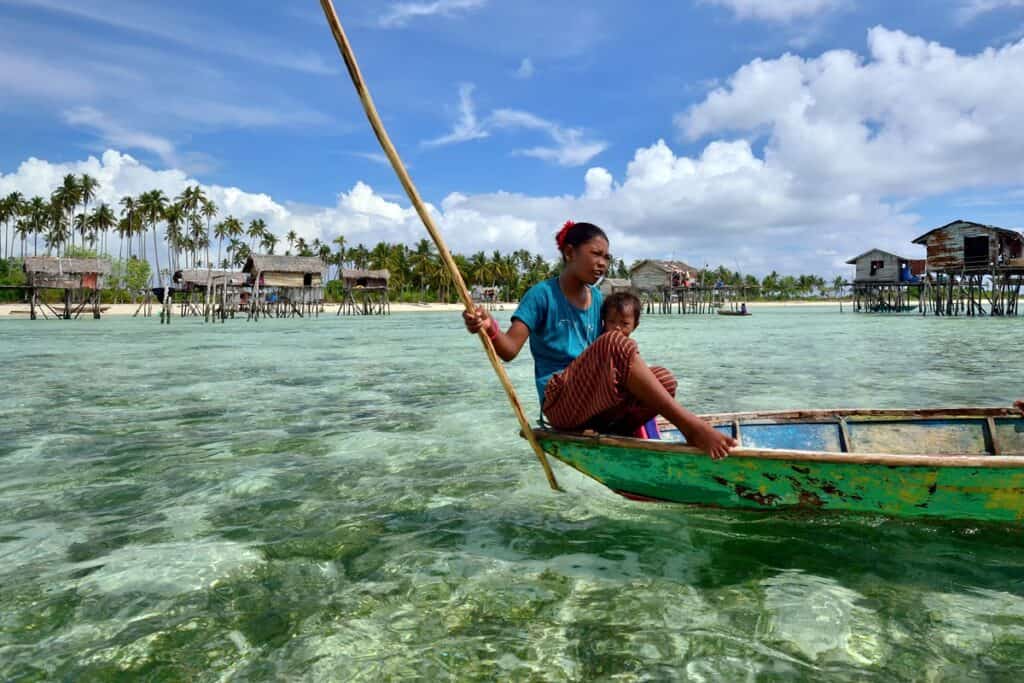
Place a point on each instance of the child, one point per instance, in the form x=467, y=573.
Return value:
x=1019, y=405
x=620, y=312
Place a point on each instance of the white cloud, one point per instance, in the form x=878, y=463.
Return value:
x=467, y=127
x=526, y=69
x=598, y=183
x=570, y=148
x=117, y=135
x=666, y=204
x=375, y=157
x=971, y=9
x=776, y=10
x=401, y=13
x=915, y=118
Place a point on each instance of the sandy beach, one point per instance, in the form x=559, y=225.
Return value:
x=15, y=311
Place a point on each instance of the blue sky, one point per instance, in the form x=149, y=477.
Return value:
x=789, y=134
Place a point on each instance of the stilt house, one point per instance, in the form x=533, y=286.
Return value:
x=366, y=292
x=284, y=286
x=651, y=276
x=973, y=269
x=82, y=280
x=212, y=294
x=884, y=267
x=884, y=282
x=964, y=247
x=612, y=285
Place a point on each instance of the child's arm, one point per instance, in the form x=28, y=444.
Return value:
x=506, y=344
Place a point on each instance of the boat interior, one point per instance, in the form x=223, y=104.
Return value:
x=947, y=431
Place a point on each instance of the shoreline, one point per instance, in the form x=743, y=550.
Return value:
x=19, y=311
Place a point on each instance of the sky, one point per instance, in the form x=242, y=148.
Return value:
x=786, y=135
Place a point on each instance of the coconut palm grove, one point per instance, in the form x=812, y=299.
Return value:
x=151, y=233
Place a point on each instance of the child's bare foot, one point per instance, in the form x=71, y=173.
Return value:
x=711, y=441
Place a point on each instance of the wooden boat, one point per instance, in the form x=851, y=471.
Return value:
x=955, y=463
x=722, y=311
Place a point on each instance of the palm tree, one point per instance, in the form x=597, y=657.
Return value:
x=10, y=208
x=422, y=262
x=67, y=197
x=837, y=285
x=290, y=238
x=233, y=230
x=23, y=229
x=129, y=206
x=57, y=235
x=208, y=210
x=268, y=242
x=340, y=241
x=220, y=231
x=256, y=229
x=103, y=220
x=152, y=204
x=173, y=215
x=87, y=186
x=37, y=208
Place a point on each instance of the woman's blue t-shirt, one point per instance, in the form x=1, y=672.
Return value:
x=558, y=330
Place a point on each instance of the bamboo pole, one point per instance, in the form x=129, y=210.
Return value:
x=396, y=163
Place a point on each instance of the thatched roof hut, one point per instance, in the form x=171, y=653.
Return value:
x=66, y=273
x=197, y=278
x=284, y=271
x=366, y=279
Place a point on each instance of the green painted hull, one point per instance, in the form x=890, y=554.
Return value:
x=974, y=486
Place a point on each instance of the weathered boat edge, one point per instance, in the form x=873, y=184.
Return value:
x=983, y=487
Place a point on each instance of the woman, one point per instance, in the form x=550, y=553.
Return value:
x=587, y=380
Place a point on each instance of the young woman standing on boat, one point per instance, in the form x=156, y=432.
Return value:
x=587, y=380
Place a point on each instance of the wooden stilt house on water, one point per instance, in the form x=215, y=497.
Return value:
x=884, y=281
x=366, y=292
x=81, y=279
x=664, y=284
x=973, y=269
x=284, y=286
x=212, y=294
x=613, y=285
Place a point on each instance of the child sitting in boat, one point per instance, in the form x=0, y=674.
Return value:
x=620, y=312
x=587, y=381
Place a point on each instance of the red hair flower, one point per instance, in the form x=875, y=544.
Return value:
x=560, y=237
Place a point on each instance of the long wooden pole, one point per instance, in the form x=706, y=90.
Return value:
x=396, y=162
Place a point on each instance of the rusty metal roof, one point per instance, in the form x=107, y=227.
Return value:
x=1004, y=231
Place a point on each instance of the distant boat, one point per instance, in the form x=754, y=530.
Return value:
x=954, y=463
x=722, y=311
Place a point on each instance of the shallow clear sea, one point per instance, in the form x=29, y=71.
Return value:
x=348, y=499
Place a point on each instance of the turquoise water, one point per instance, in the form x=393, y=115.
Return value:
x=347, y=499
